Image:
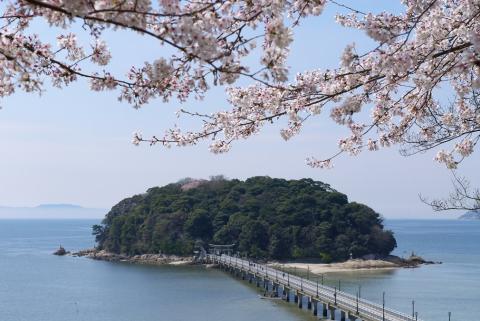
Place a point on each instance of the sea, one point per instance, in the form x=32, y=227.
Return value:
x=38, y=286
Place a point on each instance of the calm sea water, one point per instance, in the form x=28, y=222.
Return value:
x=37, y=286
x=453, y=286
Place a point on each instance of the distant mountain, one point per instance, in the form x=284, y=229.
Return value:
x=51, y=211
x=59, y=206
x=471, y=215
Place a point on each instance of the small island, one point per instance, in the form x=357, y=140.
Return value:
x=61, y=251
x=471, y=216
x=267, y=219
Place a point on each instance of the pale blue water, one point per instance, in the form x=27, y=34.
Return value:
x=453, y=286
x=37, y=286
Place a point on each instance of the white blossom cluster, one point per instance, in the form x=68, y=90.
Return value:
x=210, y=39
x=433, y=45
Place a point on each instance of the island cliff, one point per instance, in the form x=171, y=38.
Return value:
x=266, y=218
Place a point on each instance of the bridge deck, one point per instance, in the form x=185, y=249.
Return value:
x=361, y=308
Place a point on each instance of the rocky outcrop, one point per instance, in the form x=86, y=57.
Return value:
x=61, y=251
x=412, y=261
x=152, y=259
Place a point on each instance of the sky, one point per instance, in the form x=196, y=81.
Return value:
x=73, y=145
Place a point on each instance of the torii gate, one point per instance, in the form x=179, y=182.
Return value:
x=219, y=249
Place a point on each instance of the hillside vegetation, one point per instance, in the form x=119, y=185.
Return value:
x=264, y=217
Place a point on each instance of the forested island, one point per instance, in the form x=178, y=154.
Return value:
x=471, y=216
x=265, y=217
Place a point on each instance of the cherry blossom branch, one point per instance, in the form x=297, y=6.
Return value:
x=408, y=57
x=463, y=197
x=429, y=45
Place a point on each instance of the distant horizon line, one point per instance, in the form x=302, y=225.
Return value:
x=75, y=207
x=86, y=219
x=53, y=205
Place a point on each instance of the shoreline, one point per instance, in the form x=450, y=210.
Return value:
x=149, y=259
x=388, y=263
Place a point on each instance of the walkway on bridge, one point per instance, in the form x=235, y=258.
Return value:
x=350, y=306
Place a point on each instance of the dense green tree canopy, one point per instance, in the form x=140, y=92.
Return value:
x=263, y=216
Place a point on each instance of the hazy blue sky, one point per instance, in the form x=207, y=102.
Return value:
x=73, y=146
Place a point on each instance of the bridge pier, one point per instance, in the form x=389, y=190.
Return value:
x=300, y=300
x=287, y=294
x=295, y=298
x=257, y=281
x=332, y=312
x=342, y=315
x=309, y=303
x=325, y=311
x=351, y=316
x=315, y=307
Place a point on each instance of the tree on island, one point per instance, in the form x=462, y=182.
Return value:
x=432, y=46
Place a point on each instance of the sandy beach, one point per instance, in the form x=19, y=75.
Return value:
x=350, y=265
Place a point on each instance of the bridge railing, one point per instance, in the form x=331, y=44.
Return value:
x=363, y=302
x=327, y=294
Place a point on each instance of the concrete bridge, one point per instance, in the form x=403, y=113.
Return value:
x=333, y=303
